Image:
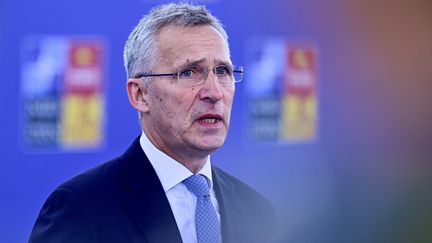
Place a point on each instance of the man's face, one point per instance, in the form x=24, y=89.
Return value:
x=183, y=121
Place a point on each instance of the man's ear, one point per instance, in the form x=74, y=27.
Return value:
x=137, y=94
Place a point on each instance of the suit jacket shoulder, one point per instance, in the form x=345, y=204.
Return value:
x=121, y=200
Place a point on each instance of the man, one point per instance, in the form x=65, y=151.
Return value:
x=164, y=188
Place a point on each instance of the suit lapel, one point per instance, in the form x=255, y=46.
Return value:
x=146, y=200
x=228, y=206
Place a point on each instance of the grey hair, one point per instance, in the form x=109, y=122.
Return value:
x=140, y=52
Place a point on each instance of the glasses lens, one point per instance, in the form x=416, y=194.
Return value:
x=226, y=75
x=190, y=76
x=238, y=74
x=189, y=73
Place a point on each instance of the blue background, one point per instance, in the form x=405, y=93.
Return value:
x=367, y=179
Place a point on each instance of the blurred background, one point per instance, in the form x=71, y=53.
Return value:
x=332, y=122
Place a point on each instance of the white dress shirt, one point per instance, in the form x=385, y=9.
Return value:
x=171, y=174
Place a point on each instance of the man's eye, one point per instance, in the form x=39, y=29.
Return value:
x=222, y=71
x=186, y=73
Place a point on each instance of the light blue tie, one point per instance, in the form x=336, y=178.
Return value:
x=206, y=221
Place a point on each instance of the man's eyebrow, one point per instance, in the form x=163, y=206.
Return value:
x=199, y=62
x=221, y=62
x=190, y=63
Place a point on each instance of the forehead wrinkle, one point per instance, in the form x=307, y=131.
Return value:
x=180, y=52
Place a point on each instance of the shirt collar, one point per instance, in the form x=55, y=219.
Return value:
x=169, y=171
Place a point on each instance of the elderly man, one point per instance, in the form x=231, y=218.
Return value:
x=164, y=188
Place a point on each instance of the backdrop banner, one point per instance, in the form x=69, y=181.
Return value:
x=62, y=93
x=282, y=94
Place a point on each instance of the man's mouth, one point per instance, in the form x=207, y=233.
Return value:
x=210, y=119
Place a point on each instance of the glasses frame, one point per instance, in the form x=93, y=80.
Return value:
x=235, y=69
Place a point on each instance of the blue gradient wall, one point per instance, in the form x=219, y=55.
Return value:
x=367, y=178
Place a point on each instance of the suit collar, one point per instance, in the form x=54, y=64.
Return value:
x=169, y=171
x=146, y=200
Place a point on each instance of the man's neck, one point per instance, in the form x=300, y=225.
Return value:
x=193, y=160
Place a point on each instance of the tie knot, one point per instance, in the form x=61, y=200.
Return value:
x=198, y=185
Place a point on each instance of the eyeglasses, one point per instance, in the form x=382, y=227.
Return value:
x=196, y=75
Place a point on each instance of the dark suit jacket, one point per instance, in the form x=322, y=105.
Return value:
x=123, y=200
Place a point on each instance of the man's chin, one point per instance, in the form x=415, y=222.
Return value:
x=209, y=146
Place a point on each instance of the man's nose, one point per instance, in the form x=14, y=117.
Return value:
x=211, y=90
